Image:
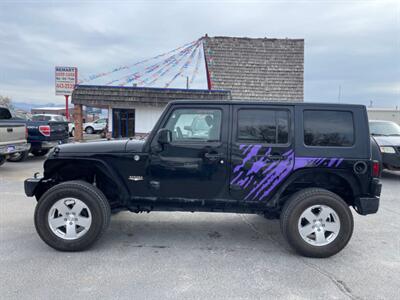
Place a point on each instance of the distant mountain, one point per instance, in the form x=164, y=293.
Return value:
x=28, y=106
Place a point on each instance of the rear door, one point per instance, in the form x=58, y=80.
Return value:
x=262, y=153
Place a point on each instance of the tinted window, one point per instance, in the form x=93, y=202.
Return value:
x=266, y=126
x=328, y=128
x=5, y=114
x=195, y=125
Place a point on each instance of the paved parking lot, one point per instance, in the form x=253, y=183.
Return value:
x=184, y=255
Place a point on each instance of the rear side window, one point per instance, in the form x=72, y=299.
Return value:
x=328, y=128
x=265, y=126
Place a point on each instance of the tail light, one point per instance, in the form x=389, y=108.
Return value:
x=26, y=133
x=376, y=168
x=45, y=130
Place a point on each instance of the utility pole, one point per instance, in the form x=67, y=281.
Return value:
x=340, y=93
x=187, y=82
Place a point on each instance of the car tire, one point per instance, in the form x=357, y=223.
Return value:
x=19, y=156
x=316, y=222
x=89, y=130
x=41, y=152
x=2, y=160
x=93, y=206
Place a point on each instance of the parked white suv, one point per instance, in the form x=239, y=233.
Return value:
x=96, y=126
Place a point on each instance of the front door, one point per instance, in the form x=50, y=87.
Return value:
x=262, y=155
x=193, y=166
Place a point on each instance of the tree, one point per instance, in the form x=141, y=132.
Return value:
x=6, y=101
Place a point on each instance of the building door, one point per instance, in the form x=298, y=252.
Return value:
x=262, y=154
x=123, y=123
x=194, y=164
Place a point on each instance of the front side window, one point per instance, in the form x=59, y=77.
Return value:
x=328, y=128
x=195, y=125
x=265, y=126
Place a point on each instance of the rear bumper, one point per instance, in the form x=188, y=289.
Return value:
x=48, y=144
x=14, y=148
x=369, y=204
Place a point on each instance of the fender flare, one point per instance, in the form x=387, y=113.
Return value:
x=53, y=166
x=343, y=174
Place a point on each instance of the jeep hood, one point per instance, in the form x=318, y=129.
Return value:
x=387, y=140
x=110, y=146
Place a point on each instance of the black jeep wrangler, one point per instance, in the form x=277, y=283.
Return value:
x=305, y=164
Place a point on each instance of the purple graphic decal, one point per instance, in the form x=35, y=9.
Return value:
x=257, y=175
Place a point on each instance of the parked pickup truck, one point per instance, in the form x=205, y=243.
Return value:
x=42, y=135
x=12, y=137
x=306, y=164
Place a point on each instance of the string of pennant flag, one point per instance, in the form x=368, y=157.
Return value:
x=182, y=61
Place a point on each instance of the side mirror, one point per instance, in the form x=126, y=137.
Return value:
x=164, y=136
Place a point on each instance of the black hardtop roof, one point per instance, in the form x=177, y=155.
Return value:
x=250, y=102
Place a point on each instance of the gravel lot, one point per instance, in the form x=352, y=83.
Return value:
x=184, y=255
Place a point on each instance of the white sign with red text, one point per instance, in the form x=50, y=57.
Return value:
x=66, y=79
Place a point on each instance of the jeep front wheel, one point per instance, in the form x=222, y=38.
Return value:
x=72, y=215
x=316, y=222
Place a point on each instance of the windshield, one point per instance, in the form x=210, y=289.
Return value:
x=384, y=128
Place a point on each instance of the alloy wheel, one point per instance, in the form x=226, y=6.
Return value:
x=69, y=218
x=319, y=225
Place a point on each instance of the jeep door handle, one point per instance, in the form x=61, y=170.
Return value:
x=212, y=156
x=275, y=157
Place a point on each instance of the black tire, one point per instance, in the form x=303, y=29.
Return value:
x=41, y=152
x=2, y=160
x=19, y=156
x=298, y=203
x=89, y=130
x=89, y=195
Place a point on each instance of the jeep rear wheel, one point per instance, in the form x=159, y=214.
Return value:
x=316, y=222
x=72, y=215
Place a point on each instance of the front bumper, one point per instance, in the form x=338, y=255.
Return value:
x=14, y=148
x=30, y=186
x=391, y=160
x=369, y=204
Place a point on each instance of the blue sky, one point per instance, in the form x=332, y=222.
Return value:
x=351, y=44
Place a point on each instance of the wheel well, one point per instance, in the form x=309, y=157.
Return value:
x=87, y=171
x=326, y=180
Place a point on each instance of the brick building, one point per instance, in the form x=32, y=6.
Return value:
x=133, y=110
x=256, y=69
